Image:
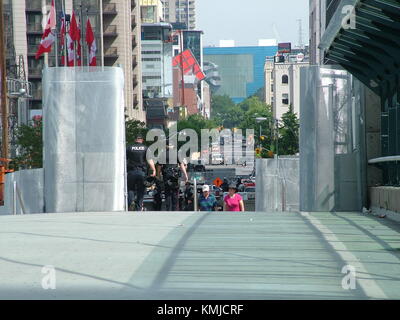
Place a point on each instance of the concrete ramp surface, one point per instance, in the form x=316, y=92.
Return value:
x=198, y=256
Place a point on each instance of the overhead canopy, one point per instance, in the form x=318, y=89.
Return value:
x=371, y=50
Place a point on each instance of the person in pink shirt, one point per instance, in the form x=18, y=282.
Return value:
x=233, y=201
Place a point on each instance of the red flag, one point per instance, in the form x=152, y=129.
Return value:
x=74, y=30
x=49, y=36
x=75, y=35
x=91, y=42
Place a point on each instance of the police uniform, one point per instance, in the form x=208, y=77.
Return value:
x=137, y=170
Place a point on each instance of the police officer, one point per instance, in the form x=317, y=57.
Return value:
x=171, y=173
x=137, y=171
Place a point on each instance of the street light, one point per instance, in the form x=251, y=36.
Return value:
x=259, y=120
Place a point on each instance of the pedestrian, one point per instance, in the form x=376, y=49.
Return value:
x=225, y=185
x=171, y=173
x=137, y=170
x=233, y=200
x=207, y=201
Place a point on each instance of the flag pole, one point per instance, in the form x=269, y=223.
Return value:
x=44, y=14
x=55, y=34
x=81, y=31
x=65, y=33
x=88, y=49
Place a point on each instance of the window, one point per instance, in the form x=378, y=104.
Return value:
x=151, y=59
x=285, y=79
x=151, y=52
x=285, y=98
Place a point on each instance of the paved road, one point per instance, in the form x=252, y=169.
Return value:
x=199, y=256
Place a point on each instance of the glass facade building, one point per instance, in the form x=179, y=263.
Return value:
x=241, y=69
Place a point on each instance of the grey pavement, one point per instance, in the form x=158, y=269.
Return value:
x=199, y=256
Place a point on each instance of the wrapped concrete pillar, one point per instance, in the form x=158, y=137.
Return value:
x=331, y=121
x=84, y=139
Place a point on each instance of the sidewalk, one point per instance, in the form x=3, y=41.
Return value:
x=197, y=256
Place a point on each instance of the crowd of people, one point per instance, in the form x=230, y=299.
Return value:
x=143, y=173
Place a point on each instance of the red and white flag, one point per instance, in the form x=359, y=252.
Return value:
x=75, y=35
x=49, y=36
x=91, y=43
x=74, y=29
x=70, y=51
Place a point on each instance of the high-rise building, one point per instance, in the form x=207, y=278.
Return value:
x=240, y=69
x=180, y=11
x=116, y=25
x=151, y=11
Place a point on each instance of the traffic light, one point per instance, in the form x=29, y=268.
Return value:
x=262, y=138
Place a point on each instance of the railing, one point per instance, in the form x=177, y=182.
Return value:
x=110, y=30
x=134, y=43
x=134, y=24
x=384, y=159
x=35, y=72
x=109, y=8
x=112, y=51
x=34, y=5
x=34, y=27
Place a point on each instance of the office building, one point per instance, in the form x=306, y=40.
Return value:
x=180, y=11
x=151, y=11
x=117, y=30
x=241, y=69
x=282, y=81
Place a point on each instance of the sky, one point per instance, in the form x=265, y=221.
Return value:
x=247, y=21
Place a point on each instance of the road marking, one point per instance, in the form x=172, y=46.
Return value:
x=368, y=284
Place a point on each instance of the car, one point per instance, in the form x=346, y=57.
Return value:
x=217, y=158
x=251, y=192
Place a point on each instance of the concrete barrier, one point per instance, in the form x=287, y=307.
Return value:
x=387, y=198
x=24, y=192
x=277, y=184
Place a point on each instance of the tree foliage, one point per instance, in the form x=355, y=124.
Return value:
x=289, y=133
x=29, y=142
x=225, y=112
x=133, y=128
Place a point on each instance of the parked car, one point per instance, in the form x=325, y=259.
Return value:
x=251, y=193
x=217, y=158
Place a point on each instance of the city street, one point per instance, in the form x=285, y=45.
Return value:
x=199, y=256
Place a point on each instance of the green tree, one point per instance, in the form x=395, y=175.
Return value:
x=133, y=128
x=289, y=133
x=255, y=109
x=225, y=112
x=195, y=122
x=260, y=94
x=29, y=142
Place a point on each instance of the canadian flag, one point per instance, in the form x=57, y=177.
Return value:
x=74, y=35
x=49, y=36
x=91, y=42
x=70, y=51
